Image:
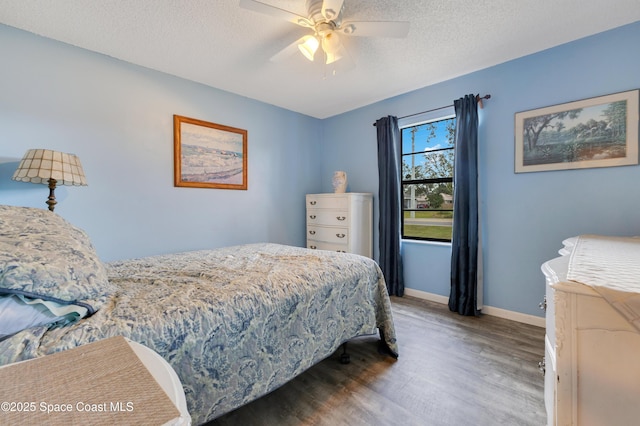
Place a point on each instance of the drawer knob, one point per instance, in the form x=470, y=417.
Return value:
x=340, y=217
x=313, y=216
x=312, y=232
x=341, y=251
x=312, y=247
x=543, y=305
x=313, y=203
x=340, y=235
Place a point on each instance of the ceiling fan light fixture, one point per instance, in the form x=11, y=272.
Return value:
x=332, y=57
x=332, y=47
x=309, y=47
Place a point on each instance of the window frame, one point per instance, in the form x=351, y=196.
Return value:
x=439, y=114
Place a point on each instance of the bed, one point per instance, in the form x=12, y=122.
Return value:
x=234, y=323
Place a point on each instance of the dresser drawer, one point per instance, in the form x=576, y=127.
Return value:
x=327, y=202
x=326, y=234
x=321, y=245
x=328, y=217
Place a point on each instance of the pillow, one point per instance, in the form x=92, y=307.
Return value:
x=18, y=313
x=42, y=256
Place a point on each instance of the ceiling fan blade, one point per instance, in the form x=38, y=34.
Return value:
x=276, y=12
x=375, y=28
x=331, y=8
x=288, y=51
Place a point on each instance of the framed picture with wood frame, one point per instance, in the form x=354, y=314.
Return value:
x=595, y=132
x=208, y=155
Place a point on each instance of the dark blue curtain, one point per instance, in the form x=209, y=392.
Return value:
x=464, y=241
x=390, y=203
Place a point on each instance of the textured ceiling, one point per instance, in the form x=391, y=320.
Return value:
x=217, y=43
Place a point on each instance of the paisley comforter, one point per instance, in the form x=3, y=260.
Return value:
x=235, y=323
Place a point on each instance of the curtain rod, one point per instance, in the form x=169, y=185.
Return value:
x=478, y=99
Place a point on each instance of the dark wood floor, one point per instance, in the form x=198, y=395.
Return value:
x=452, y=370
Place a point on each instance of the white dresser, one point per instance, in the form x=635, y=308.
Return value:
x=592, y=345
x=340, y=222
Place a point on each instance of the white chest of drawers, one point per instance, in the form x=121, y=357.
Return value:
x=340, y=222
x=592, y=352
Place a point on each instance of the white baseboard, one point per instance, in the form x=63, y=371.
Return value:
x=488, y=310
x=426, y=296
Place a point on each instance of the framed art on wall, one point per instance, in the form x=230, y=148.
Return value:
x=595, y=132
x=209, y=155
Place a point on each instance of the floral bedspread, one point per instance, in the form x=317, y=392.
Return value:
x=234, y=323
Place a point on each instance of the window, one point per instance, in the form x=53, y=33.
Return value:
x=427, y=177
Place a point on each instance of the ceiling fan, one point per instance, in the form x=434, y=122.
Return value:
x=324, y=19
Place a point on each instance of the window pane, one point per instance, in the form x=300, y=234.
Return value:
x=428, y=210
x=428, y=136
x=413, y=166
x=428, y=165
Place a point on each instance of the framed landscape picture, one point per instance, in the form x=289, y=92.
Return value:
x=595, y=132
x=209, y=155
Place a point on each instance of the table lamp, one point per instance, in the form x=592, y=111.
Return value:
x=50, y=167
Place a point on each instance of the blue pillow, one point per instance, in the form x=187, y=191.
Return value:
x=18, y=313
x=42, y=256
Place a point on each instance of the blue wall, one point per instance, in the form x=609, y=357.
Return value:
x=118, y=119
x=524, y=216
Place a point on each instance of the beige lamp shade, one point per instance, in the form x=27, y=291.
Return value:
x=332, y=47
x=309, y=46
x=50, y=168
x=40, y=165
